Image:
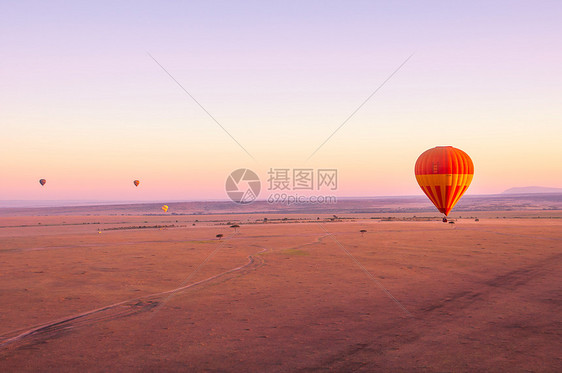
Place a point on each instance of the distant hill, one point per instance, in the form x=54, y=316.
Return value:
x=532, y=189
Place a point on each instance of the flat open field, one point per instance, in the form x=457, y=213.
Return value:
x=96, y=293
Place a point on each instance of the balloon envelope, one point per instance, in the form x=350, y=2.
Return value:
x=165, y=208
x=42, y=181
x=444, y=174
x=136, y=182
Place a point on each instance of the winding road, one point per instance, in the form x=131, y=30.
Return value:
x=117, y=310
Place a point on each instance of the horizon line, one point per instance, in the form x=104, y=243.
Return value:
x=21, y=203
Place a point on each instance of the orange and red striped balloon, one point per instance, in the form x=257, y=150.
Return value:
x=444, y=174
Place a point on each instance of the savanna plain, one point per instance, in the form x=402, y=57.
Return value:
x=302, y=294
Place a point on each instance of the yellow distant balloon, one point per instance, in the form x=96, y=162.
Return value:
x=165, y=208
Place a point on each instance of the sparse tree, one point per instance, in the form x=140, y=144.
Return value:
x=235, y=226
x=363, y=231
x=219, y=236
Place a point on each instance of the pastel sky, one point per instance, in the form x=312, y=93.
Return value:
x=84, y=106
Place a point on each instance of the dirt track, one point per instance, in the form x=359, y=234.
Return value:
x=479, y=296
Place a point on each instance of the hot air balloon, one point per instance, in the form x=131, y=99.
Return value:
x=444, y=174
x=42, y=181
x=165, y=208
x=136, y=182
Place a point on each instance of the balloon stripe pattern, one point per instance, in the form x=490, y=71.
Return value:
x=444, y=173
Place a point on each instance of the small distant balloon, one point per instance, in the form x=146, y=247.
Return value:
x=165, y=208
x=42, y=181
x=136, y=182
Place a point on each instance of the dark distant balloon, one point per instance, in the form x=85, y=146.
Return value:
x=136, y=182
x=42, y=181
